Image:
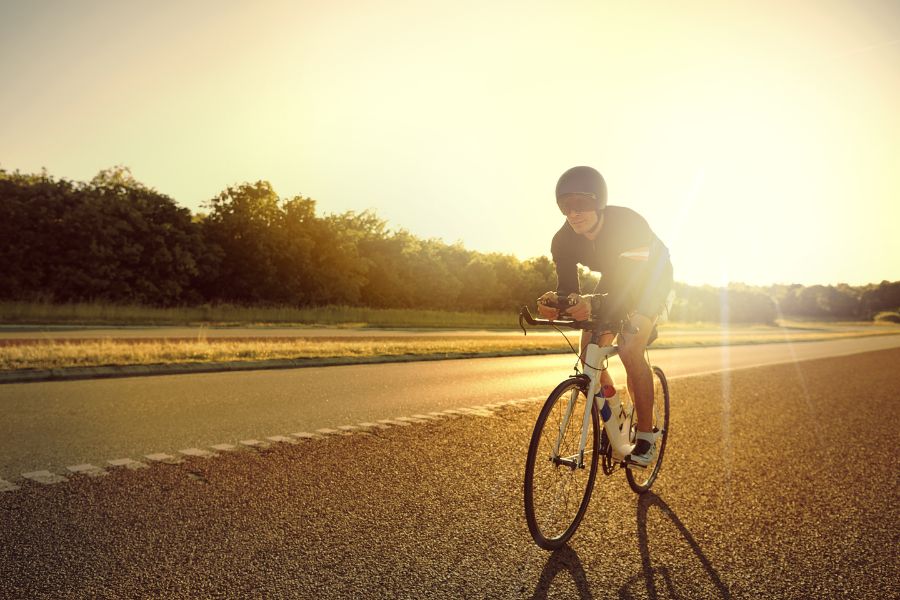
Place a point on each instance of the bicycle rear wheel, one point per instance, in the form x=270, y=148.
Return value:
x=640, y=479
x=557, y=491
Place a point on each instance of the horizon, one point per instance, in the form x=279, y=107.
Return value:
x=760, y=143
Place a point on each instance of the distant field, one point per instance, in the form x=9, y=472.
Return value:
x=337, y=316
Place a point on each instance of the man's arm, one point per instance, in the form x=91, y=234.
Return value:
x=566, y=268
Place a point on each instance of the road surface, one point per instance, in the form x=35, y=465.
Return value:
x=778, y=483
x=53, y=425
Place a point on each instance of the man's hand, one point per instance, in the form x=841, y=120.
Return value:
x=581, y=309
x=546, y=305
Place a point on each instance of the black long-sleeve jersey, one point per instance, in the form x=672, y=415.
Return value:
x=626, y=253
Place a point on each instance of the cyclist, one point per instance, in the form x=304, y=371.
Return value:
x=636, y=278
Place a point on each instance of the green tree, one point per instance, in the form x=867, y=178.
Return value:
x=112, y=239
x=243, y=225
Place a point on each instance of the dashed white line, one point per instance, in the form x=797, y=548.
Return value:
x=327, y=431
x=197, y=453
x=282, y=439
x=87, y=469
x=224, y=447
x=476, y=412
x=426, y=417
x=304, y=435
x=394, y=422
x=163, y=458
x=128, y=463
x=44, y=477
x=409, y=420
x=254, y=443
x=7, y=486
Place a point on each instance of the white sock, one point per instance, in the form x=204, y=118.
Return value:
x=646, y=435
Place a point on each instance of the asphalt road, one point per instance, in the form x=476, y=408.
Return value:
x=53, y=425
x=778, y=483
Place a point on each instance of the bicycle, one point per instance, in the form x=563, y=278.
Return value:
x=561, y=454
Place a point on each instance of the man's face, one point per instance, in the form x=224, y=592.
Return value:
x=579, y=211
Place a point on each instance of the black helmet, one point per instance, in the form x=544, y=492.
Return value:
x=583, y=180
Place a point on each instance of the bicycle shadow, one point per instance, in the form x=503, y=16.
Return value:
x=564, y=559
x=648, y=573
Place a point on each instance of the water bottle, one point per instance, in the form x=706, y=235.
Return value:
x=608, y=401
x=609, y=393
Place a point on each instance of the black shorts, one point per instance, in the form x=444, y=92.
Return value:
x=649, y=300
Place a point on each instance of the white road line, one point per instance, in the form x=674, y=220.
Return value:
x=367, y=425
x=128, y=463
x=163, y=458
x=409, y=420
x=282, y=439
x=87, y=469
x=7, y=486
x=348, y=428
x=224, y=447
x=44, y=477
x=477, y=412
x=327, y=431
x=197, y=453
x=254, y=444
x=304, y=435
x=394, y=422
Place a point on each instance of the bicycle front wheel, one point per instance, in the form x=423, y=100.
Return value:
x=557, y=488
x=639, y=479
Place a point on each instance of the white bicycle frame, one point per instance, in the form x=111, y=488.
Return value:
x=613, y=416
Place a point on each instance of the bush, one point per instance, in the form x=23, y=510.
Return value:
x=888, y=317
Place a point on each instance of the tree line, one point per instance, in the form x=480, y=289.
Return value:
x=113, y=239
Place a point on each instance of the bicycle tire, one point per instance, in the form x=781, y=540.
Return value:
x=641, y=480
x=546, y=535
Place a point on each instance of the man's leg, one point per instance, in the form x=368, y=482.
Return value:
x=640, y=379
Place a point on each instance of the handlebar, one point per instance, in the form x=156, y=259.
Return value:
x=525, y=316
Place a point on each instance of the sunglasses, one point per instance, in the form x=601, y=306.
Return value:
x=577, y=203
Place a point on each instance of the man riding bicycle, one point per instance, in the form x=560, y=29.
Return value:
x=636, y=278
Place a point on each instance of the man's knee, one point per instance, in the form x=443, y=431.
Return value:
x=632, y=354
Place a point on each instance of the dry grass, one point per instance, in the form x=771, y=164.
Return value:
x=713, y=334
x=59, y=354
x=52, y=354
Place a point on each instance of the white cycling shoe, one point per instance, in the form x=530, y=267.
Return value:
x=644, y=451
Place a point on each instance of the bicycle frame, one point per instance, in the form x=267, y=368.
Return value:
x=613, y=417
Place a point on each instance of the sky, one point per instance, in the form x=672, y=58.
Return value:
x=760, y=140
